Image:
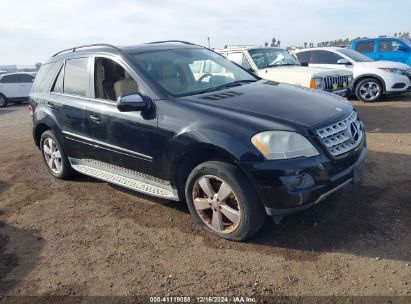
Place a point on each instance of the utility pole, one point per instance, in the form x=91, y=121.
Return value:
x=208, y=39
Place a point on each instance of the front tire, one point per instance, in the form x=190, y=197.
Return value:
x=369, y=90
x=3, y=101
x=54, y=157
x=222, y=200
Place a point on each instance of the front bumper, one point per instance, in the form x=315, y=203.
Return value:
x=342, y=92
x=326, y=176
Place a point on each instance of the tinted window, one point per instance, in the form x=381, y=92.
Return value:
x=389, y=46
x=76, y=76
x=25, y=78
x=324, y=57
x=10, y=79
x=365, y=47
x=58, y=84
x=271, y=57
x=45, y=77
x=304, y=57
x=358, y=57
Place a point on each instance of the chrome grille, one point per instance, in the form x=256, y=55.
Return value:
x=329, y=82
x=342, y=136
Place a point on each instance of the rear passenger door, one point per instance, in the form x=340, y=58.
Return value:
x=68, y=101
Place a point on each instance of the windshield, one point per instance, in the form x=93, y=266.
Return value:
x=188, y=71
x=267, y=57
x=356, y=56
x=407, y=42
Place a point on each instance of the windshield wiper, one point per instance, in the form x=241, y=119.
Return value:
x=223, y=86
x=279, y=65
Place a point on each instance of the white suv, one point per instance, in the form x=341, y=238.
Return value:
x=372, y=79
x=278, y=65
x=15, y=87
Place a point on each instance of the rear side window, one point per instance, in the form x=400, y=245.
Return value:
x=25, y=78
x=76, y=77
x=365, y=47
x=304, y=57
x=324, y=57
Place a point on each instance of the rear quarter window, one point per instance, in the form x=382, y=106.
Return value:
x=76, y=77
x=45, y=77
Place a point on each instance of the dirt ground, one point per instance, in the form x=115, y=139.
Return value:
x=86, y=237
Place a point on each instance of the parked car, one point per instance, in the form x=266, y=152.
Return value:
x=391, y=49
x=278, y=65
x=372, y=79
x=233, y=146
x=15, y=87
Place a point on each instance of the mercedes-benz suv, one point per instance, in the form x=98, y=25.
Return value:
x=235, y=147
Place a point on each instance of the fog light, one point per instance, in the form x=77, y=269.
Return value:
x=300, y=181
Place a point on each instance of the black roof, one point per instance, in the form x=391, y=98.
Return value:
x=131, y=49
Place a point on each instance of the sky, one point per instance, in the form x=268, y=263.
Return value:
x=32, y=30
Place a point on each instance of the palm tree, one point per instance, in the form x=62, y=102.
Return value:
x=266, y=44
x=278, y=43
x=305, y=45
x=273, y=42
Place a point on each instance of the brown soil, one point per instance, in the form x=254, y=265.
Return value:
x=86, y=237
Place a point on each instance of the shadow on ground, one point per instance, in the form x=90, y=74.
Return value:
x=19, y=253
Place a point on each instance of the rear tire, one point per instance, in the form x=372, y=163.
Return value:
x=369, y=90
x=222, y=200
x=3, y=101
x=54, y=157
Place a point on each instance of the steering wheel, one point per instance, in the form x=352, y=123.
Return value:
x=204, y=76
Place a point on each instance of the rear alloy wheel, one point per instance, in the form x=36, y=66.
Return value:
x=3, y=101
x=222, y=200
x=54, y=157
x=369, y=90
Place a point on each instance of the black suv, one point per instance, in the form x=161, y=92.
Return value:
x=233, y=146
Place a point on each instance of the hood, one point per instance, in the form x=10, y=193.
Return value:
x=276, y=102
x=384, y=64
x=299, y=70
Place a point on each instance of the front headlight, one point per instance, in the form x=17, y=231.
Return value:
x=283, y=144
x=350, y=79
x=396, y=71
x=316, y=83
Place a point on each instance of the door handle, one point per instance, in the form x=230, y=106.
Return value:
x=50, y=105
x=95, y=117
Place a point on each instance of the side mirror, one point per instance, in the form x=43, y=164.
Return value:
x=251, y=70
x=402, y=48
x=132, y=102
x=343, y=61
x=304, y=64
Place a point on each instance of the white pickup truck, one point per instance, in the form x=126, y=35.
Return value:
x=278, y=65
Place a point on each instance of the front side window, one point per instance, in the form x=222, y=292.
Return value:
x=389, y=45
x=324, y=57
x=188, y=71
x=112, y=81
x=365, y=47
x=304, y=57
x=266, y=57
x=355, y=56
x=76, y=77
x=10, y=79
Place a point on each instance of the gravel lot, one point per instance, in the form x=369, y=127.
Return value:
x=86, y=237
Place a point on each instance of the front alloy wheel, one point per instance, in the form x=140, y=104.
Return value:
x=222, y=200
x=369, y=90
x=216, y=204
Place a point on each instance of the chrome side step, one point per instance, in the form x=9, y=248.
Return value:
x=126, y=178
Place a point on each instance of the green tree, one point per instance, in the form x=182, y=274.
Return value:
x=266, y=44
x=273, y=42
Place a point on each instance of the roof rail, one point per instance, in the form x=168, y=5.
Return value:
x=73, y=49
x=165, y=41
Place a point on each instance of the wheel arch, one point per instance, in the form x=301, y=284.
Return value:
x=363, y=76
